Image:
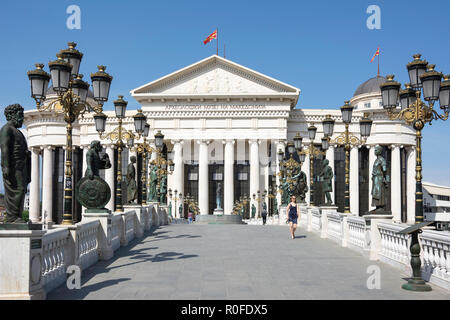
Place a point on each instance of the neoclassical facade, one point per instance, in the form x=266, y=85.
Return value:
x=225, y=124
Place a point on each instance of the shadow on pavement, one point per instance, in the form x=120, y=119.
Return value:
x=104, y=267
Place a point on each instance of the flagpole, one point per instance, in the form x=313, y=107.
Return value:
x=378, y=61
x=217, y=48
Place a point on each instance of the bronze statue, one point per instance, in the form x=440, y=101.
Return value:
x=131, y=181
x=326, y=177
x=380, y=181
x=253, y=211
x=300, y=186
x=152, y=193
x=16, y=163
x=92, y=191
x=285, y=192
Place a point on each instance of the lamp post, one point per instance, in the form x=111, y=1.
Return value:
x=71, y=93
x=313, y=153
x=142, y=148
x=117, y=136
x=414, y=111
x=163, y=166
x=347, y=140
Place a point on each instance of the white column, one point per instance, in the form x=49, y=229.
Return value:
x=330, y=157
x=411, y=186
x=35, y=186
x=47, y=184
x=372, y=159
x=109, y=176
x=178, y=173
x=228, y=182
x=305, y=169
x=254, y=173
x=280, y=146
x=354, y=181
x=396, y=185
x=85, y=150
x=203, y=195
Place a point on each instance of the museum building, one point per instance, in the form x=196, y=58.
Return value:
x=225, y=124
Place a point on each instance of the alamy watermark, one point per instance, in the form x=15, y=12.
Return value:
x=74, y=277
x=374, y=20
x=74, y=20
x=374, y=279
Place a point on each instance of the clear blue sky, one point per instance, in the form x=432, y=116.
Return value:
x=322, y=47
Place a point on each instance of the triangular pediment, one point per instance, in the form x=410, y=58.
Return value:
x=214, y=75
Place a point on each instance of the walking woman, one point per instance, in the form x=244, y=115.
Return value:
x=292, y=212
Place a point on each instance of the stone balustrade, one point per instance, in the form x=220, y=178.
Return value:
x=394, y=246
x=378, y=239
x=436, y=257
x=55, y=258
x=357, y=233
x=95, y=238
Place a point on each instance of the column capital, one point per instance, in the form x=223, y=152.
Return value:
x=251, y=141
x=203, y=141
x=47, y=147
x=177, y=141
x=226, y=141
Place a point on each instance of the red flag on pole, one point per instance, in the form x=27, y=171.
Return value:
x=210, y=37
x=376, y=54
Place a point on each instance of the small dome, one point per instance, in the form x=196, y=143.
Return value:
x=370, y=86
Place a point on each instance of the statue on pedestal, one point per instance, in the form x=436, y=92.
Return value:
x=300, y=186
x=326, y=176
x=253, y=211
x=380, y=181
x=285, y=192
x=153, y=179
x=15, y=162
x=131, y=181
x=92, y=191
x=219, y=196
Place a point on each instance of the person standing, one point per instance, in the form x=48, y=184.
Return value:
x=264, y=212
x=292, y=212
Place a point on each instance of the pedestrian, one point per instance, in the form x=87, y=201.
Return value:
x=264, y=213
x=292, y=212
x=190, y=216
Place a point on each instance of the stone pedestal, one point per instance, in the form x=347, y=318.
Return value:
x=372, y=221
x=105, y=232
x=140, y=221
x=21, y=264
x=324, y=210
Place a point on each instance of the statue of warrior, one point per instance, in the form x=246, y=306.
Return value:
x=93, y=161
x=300, y=186
x=152, y=194
x=380, y=181
x=16, y=163
x=131, y=181
x=326, y=177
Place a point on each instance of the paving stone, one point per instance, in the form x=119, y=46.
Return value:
x=193, y=262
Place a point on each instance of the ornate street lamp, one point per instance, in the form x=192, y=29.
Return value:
x=117, y=136
x=142, y=128
x=164, y=166
x=71, y=94
x=347, y=140
x=417, y=113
